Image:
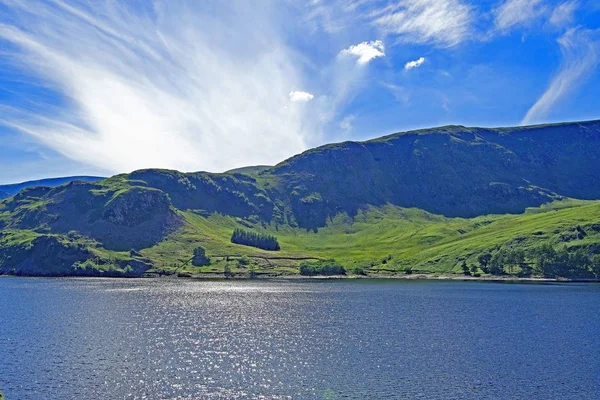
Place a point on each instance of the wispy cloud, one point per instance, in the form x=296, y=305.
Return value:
x=517, y=12
x=443, y=23
x=365, y=51
x=346, y=124
x=165, y=85
x=414, y=64
x=296, y=96
x=564, y=13
x=580, y=56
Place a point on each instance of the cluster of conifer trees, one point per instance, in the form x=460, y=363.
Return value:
x=255, y=239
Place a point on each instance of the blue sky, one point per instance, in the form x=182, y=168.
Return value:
x=103, y=87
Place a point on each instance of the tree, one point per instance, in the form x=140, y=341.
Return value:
x=473, y=269
x=595, y=261
x=579, y=263
x=252, y=271
x=497, y=262
x=484, y=261
x=200, y=258
x=545, y=256
x=513, y=257
x=227, y=271
x=465, y=268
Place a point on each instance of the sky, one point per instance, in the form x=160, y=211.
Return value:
x=106, y=86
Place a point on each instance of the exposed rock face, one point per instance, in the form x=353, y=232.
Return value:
x=232, y=194
x=453, y=171
x=48, y=255
x=134, y=206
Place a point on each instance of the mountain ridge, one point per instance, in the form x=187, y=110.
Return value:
x=11, y=189
x=453, y=175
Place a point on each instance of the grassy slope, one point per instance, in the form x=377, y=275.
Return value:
x=426, y=242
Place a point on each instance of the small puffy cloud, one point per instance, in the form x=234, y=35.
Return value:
x=297, y=96
x=414, y=64
x=365, y=51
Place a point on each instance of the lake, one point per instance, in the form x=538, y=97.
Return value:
x=360, y=339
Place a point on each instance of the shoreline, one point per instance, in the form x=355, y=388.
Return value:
x=391, y=277
x=411, y=277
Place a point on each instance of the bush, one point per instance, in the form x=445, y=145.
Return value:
x=465, y=268
x=243, y=261
x=328, y=267
x=255, y=239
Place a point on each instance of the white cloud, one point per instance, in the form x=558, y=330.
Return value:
x=365, y=51
x=580, y=56
x=156, y=87
x=443, y=23
x=564, y=13
x=296, y=96
x=517, y=12
x=414, y=64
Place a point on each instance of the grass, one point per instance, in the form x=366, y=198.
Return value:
x=385, y=240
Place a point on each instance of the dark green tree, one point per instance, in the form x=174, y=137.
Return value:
x=243, y=261
x=252, y=271
x=497, y=262
x=595, y=261
x=545, y=257
x=465, y=268
x=484, y=260
x=200, y=258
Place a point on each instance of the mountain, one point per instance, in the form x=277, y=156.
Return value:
x=427, y=200
x=12, y=189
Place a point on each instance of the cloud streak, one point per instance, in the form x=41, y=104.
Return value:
x=443, y=23
x=156, y=86
x=517, y=12
x=564, y=13
x=580, y=56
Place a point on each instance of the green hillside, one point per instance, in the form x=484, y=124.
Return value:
x=431, y=201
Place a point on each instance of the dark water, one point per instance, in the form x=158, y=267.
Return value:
x=153, y=339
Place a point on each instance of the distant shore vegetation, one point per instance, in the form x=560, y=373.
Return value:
x=544, y=260
x=325, y=267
